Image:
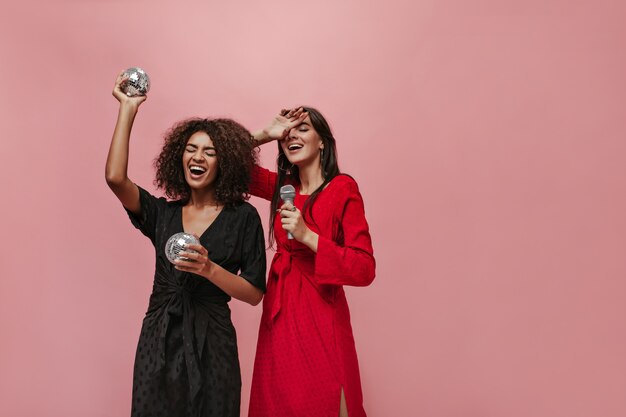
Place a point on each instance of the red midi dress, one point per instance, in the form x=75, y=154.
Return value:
x=306, y=353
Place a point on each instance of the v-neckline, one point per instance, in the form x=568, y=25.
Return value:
x=182, y=223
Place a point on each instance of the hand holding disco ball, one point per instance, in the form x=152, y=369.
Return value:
x=178, y=243
x=137, y=82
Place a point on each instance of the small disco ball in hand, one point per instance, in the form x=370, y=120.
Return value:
x=177, y=243
x=138, y=82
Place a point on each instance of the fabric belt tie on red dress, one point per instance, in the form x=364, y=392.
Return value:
x=282, y=264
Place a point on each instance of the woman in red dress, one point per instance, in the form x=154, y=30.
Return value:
x=306, y=363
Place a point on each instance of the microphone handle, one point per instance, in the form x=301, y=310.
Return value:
x=289, y=201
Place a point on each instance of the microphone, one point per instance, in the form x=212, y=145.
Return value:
x=287, y=194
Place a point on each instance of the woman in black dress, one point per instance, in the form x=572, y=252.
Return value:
x=186, y=362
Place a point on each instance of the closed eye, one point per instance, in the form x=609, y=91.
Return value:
x=209, y=151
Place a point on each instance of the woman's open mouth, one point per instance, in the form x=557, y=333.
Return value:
x=196, y=171
x=294, y=147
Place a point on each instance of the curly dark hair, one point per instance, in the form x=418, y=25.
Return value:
x=236, y=154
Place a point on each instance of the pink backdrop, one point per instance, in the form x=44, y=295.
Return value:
x=488, y=140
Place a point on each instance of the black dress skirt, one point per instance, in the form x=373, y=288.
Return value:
x=186, y=362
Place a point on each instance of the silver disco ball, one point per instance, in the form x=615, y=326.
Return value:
x=138, y=83
x=177, y=243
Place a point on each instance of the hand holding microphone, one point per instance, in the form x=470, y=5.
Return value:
x=293, y=222
x=287, y=194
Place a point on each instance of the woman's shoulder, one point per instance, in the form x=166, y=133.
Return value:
x=244, y=216
x=343, y=183
x=160, y=201
x=244, y=208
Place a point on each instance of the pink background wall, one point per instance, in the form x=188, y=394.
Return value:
x=488, y=140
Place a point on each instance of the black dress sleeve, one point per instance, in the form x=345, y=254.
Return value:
x=151, y=207
x=253, y=261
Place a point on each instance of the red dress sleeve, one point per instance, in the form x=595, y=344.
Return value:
x=262, y=182
x=350, y=259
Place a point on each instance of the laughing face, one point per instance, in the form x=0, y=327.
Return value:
x=302, y=146
x=200, y=161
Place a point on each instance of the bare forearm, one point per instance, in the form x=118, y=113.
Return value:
x=261, y=137
x=117, y=159
x=233, y=285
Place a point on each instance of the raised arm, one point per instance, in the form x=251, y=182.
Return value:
x=278, y=128
x=264, y=181
x=117, y=159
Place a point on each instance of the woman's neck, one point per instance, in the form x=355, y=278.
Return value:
x=311, y=178
x=202, y=198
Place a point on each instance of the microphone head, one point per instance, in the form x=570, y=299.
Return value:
x=287, y=193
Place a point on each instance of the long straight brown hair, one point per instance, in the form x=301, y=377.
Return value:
x=289, y=174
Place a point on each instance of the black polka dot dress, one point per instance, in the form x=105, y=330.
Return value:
x=186, y=362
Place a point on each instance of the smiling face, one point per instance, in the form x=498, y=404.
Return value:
x=302, y=145
x=200, y=162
